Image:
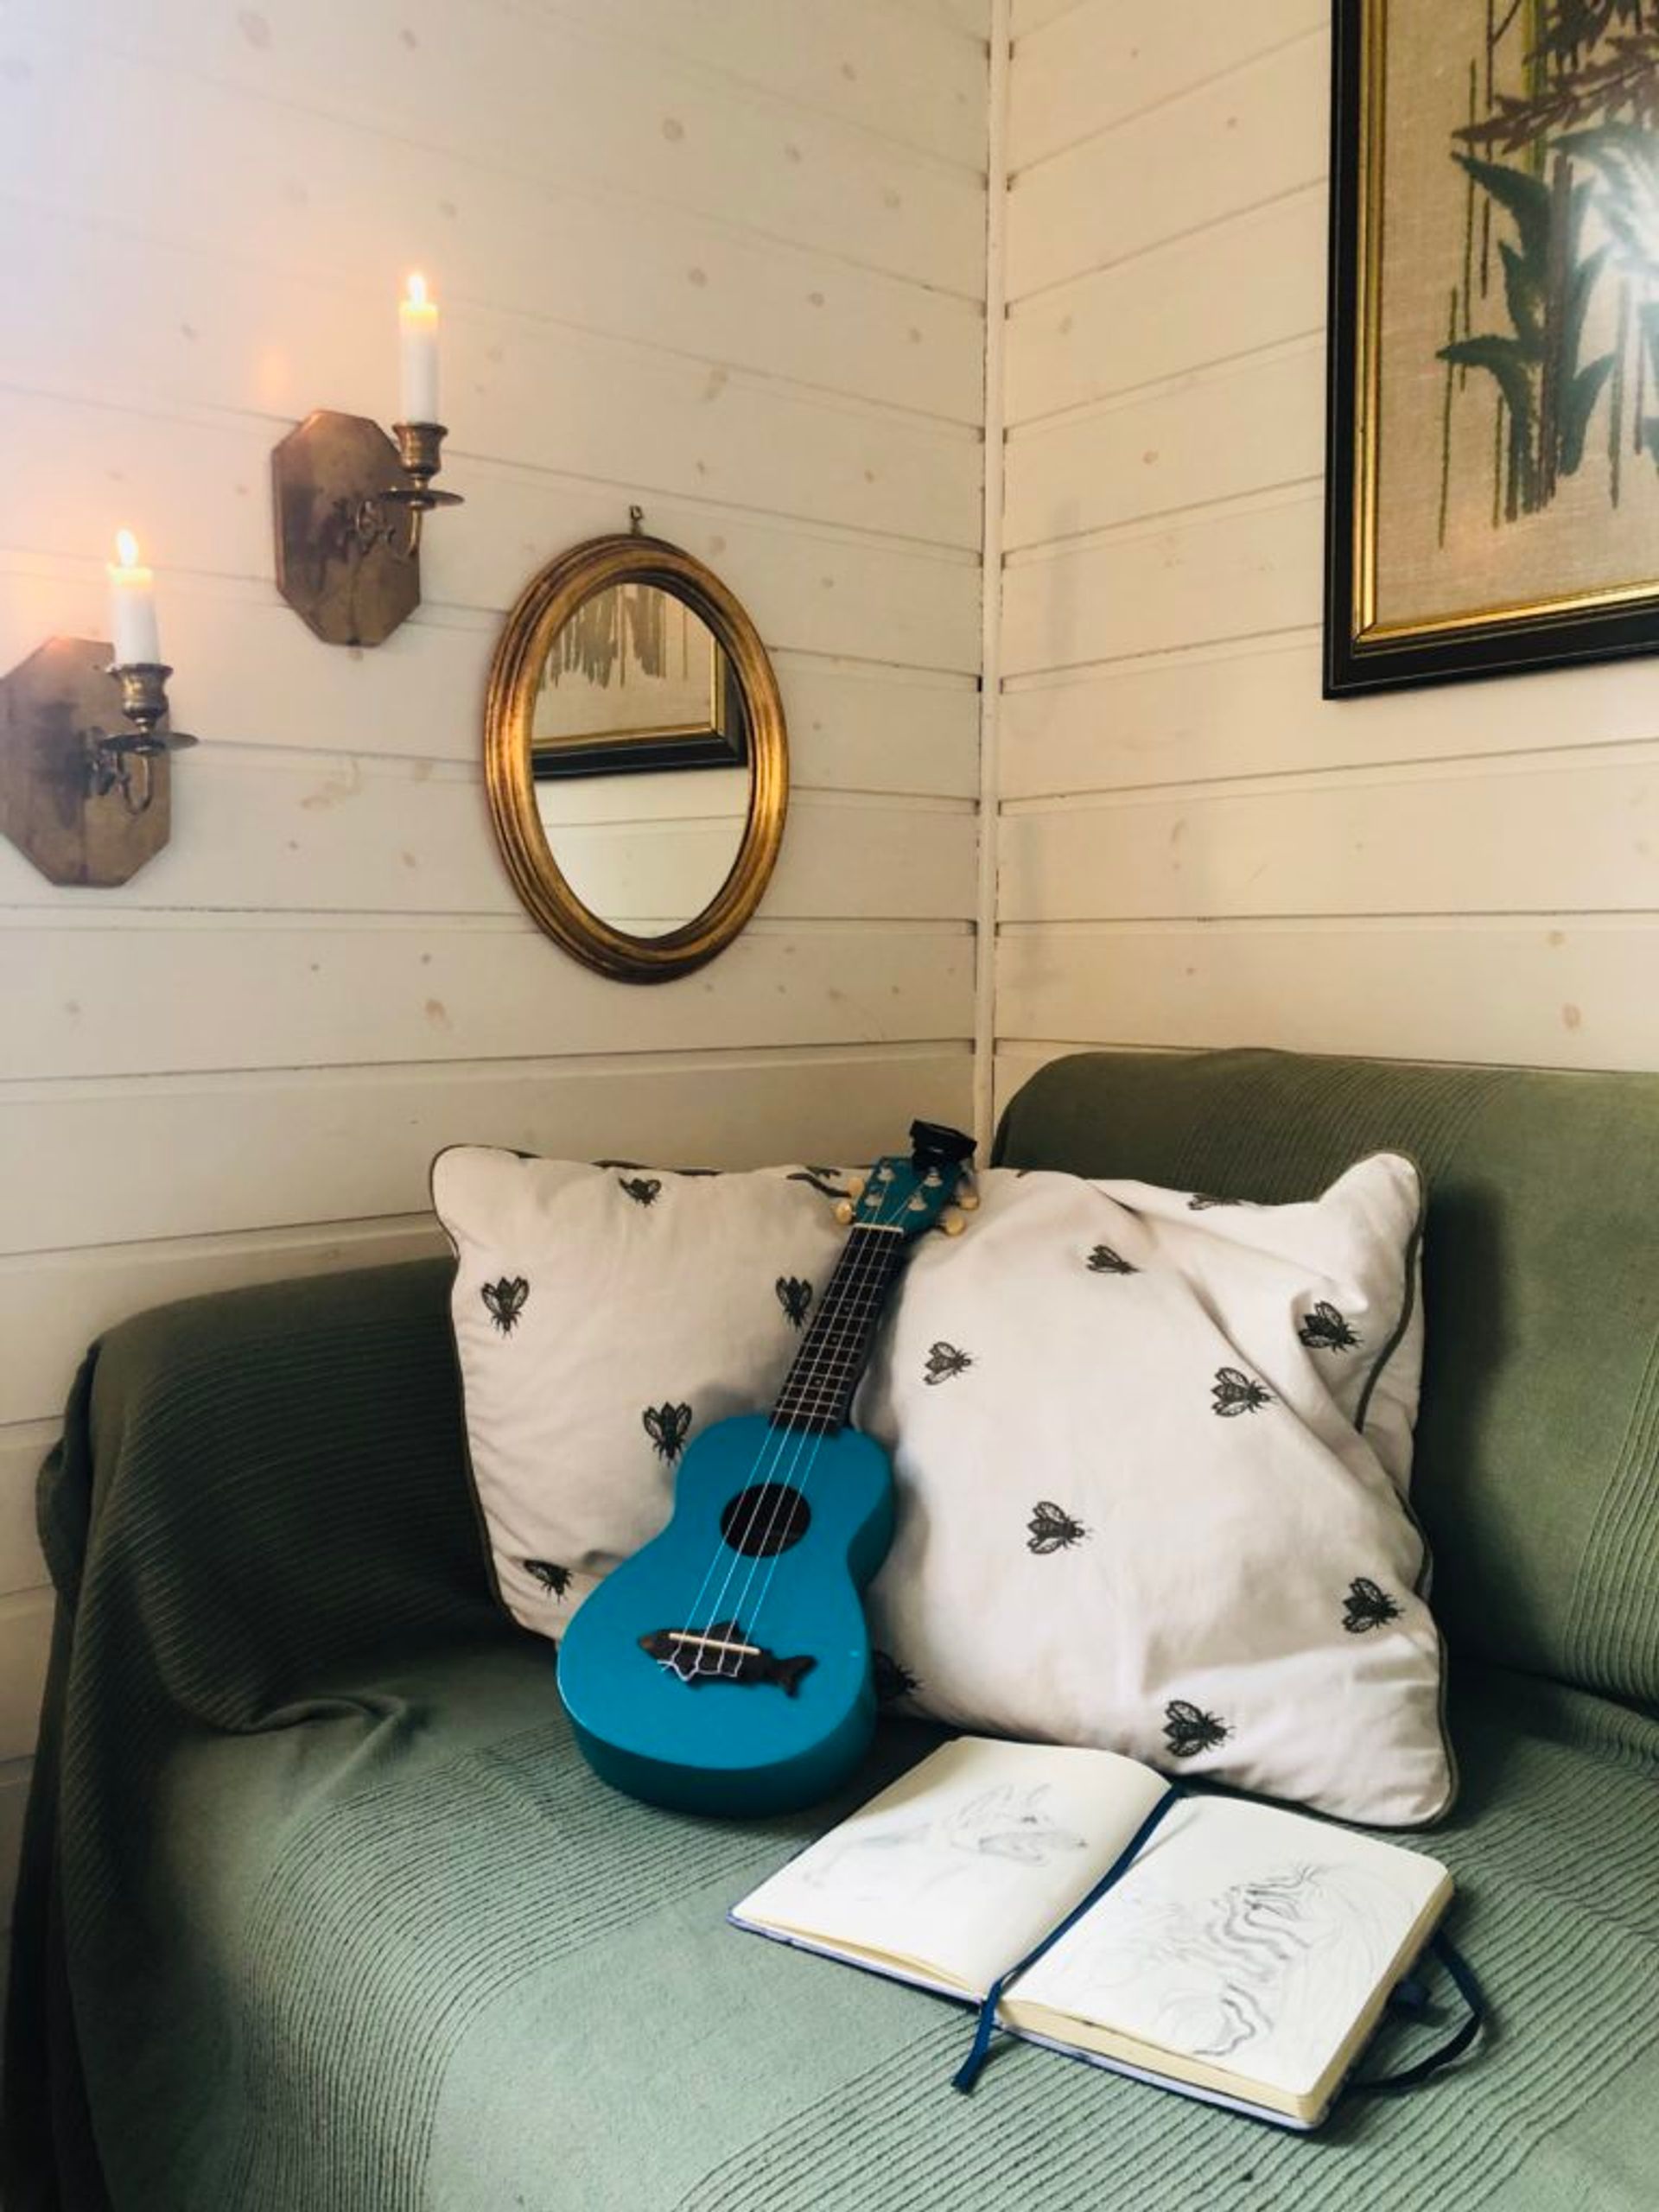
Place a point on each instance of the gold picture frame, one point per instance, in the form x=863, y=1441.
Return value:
x=1492, y=477
x=547, y=603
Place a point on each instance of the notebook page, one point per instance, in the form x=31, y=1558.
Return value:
x=1242, y=1936
x=965, y=1862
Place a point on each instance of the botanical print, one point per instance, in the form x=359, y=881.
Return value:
x=556, y=1580
x=1518, y=442
x=630, y=661
x=1053, y=1529
x=642, y=1189
x=795, y=1296
x=505, y=1301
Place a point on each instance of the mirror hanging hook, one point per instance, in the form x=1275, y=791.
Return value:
x=636, y=522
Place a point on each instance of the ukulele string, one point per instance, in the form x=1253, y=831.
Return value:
x=776, y=1442
x=824, y=1350
x=853, y=1319
x=790, y=1482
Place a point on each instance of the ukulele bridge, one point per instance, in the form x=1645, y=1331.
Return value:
x=721, y=1652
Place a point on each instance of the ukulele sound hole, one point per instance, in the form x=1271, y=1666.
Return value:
x=765, y=1519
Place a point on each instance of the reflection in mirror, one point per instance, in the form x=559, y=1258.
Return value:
x=640, y=759
x=635, y=757
x=646, y=853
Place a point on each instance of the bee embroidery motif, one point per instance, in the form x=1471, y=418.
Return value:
x=892, y=1681
x=1367, y=1607
x=795, y=1297
x=1051, y=1529
x=1189, y=1729
x=1103, y=1261
x=505, y=1301
x=822, y=1180
x=642, y=1189
x=1326, y=1329
x=1201, y=1202
x=667, y=1426
x=556, y=1580
x=1235, y=1393
x=944, y=1361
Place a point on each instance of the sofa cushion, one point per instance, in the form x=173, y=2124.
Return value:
x=1537, y=1461
x=604, y=1316
x=1140, y=1501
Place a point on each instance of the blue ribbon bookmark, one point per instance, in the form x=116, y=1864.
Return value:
x=968, y=2072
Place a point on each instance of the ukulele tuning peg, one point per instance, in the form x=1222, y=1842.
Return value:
x=856, y=1186
x=952, y=1223
x=844, y=1211
x=967, y=1196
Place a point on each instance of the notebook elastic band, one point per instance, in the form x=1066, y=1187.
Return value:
x=1463, y=1975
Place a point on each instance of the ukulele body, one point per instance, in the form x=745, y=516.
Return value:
x=745, y=1689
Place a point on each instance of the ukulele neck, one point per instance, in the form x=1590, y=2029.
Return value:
x=818, y=1396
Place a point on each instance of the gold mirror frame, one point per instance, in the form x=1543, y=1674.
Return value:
x=544, y=606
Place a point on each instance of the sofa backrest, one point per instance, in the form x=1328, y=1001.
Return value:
x=1539, y=1435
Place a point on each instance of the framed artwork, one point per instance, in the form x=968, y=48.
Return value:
x=1492, y=484
x=632, y=683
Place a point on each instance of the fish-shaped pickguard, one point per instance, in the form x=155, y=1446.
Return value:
x=694, y=1655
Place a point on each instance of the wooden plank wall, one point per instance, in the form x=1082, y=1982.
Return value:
x=1195, y=850
x=725, y=260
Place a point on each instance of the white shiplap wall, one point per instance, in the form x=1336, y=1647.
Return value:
x=725, y=258
x=1195, y=848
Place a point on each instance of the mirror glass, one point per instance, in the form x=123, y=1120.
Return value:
x=640, y=758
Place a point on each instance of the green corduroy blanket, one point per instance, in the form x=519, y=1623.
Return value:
x=321, y=1911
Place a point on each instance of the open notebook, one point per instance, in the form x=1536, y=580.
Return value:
x=1244, y=1955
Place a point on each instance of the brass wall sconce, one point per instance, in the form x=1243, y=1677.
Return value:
x=350, y=503
x=87, y=805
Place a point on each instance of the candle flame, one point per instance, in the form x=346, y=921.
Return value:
x=416, y=289
x=126, y=548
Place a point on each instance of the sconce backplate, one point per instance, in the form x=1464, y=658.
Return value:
x=47, y=704
x=343, y=556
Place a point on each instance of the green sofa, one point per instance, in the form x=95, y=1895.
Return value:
x=321, y=1913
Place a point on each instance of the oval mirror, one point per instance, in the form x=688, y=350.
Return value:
x=635, y=757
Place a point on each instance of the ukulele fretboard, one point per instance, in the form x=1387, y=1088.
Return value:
x=818, y=1396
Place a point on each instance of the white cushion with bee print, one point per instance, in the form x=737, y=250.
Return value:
x=605, y=1315
x=1152, y=1452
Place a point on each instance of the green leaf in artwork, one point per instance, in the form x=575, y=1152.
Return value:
x=1525, y=197
x=1506, y=359
x=1521, y=296
x=1583, y=391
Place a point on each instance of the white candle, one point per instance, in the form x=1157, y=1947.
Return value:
x=417, y=331
x=132, y=604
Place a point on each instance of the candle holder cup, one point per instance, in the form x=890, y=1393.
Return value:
x=85, y=802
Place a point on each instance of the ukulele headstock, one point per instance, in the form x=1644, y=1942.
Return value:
x=918, y=1193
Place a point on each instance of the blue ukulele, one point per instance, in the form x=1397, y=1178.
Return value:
x=726, y=1667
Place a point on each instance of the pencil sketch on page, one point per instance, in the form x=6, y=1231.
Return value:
x=897, y=1862
x=1268, y=1964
